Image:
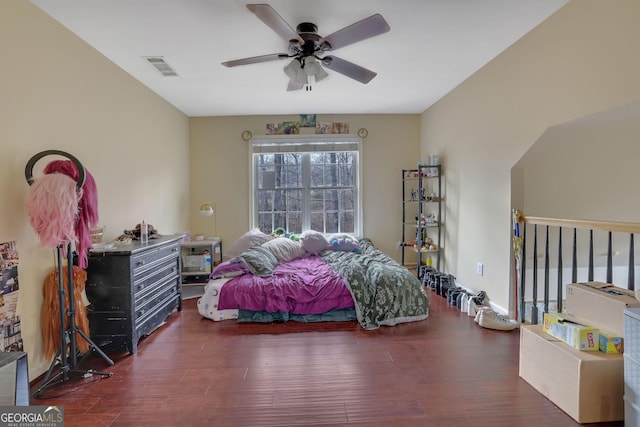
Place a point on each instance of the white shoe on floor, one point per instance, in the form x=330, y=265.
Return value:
x=491, y=320
x=475, y=302
x=464, y=303
x=474, y=308
x=479, y=311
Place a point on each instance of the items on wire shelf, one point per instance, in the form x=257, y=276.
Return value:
x=422, y=202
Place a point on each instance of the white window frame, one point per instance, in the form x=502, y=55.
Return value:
x=304, y=143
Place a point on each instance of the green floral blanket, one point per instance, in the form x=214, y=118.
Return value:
x=385, y=293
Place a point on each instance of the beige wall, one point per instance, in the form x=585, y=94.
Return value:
x=58, y=93
x=220, y=162
x=580, y=61
x=586, y=168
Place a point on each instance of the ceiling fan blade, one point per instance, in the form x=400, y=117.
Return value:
x=274, y=21
x=255, y=59
x=349, y=69
x=361, y=30
x=293, y=85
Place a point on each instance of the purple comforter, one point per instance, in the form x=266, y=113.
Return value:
x=302, y=286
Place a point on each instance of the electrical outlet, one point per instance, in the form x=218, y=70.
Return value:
x=479, y=269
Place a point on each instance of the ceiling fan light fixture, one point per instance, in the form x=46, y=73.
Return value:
x=294, y=71
x=312, y=71
x=313, y=68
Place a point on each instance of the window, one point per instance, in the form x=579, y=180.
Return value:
x=306, y=182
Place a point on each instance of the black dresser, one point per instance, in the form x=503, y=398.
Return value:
x=132, y=290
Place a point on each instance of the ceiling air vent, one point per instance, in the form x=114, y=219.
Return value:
x=161, y=65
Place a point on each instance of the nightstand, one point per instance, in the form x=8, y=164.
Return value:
x=198, y=258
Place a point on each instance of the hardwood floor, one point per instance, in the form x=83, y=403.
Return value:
x=444, y=371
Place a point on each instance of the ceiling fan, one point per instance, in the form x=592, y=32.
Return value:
x=309, y=50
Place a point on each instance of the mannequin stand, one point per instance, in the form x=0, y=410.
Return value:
x=67, y=356
x=66, y=359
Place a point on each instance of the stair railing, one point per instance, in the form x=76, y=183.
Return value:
x=528, y=227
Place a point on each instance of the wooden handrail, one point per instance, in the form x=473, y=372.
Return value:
x=625, y=227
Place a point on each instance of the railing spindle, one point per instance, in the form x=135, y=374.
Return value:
x=546, y=271
x=523, y=269
x=591, y=255
x=574, y=266
x=534, y=285
x=632, y=265
x=559, y=289
x=610, y=259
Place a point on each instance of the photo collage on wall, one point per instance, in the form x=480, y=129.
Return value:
x=306, y=121
x=10, y=329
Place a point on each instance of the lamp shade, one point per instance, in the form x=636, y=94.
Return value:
x=313, y=68
x=294, y=71
x=312, y=71
x=207, y=209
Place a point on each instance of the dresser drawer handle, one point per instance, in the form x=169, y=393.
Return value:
x=141, y=262
x=141, y=312
x=174, y=250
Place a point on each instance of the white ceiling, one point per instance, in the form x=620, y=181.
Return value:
x=432, y=47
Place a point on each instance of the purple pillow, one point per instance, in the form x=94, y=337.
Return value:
x=229, y=268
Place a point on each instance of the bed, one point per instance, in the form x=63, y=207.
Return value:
x=318, y=278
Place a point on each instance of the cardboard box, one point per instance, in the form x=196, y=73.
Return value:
x=570, y=331
x=610, y=343
x=600, y=304
x=587, y=385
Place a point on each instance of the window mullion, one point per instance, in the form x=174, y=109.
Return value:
x=306, y=191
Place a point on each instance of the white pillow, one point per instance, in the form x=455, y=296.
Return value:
x=284, y=249
x=313, y=241
x=250, y=238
